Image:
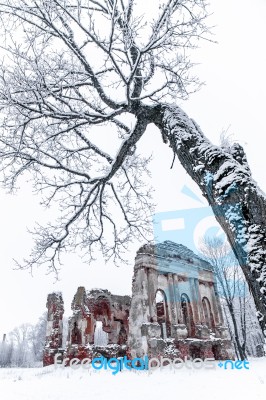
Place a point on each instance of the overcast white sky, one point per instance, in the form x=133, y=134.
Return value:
x=233, y=98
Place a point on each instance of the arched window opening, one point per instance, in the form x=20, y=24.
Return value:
x=75, y=334
x=208, y=317
x=101, y=311
x=187, y=315
x=100, y=337
x=122, y=337
x=162, y=313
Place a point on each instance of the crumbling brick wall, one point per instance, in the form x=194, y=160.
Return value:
x=54, y=328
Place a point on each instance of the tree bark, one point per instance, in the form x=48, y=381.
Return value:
x=225, y=180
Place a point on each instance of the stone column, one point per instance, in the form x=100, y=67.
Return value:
x=141, y=293
x=54, y=328
x=172, y=304
x=194, y=300
x=177, y=300
x=197, y=290
x=214, y=304
x=151, y=293
x=139, y=313
x=219, y=307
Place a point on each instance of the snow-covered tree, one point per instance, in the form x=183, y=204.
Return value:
x=36, y=337
x=22, y=354
x=80, y=82
x=6, y=350
x=23, y=346
x=238, y=305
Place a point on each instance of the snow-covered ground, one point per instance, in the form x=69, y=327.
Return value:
x=67, y=384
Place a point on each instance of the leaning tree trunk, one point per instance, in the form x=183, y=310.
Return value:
x=225, y=180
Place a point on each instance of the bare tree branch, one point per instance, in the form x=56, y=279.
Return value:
x=75, y=77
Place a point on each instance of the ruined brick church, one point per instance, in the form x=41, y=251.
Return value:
x=174, y=311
